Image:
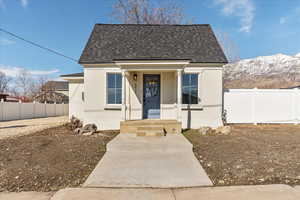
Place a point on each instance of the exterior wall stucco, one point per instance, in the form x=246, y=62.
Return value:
x=95, y=109
x=207, y=113
x=209, y=110
x=76, y=105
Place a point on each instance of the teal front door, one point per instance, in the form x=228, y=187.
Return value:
x=151, y=97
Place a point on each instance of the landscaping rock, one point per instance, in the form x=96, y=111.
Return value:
x=77, y=131
x=75, y=123
x=204, y=130
x=88, y=134
x=89, y=128
x=224, y=130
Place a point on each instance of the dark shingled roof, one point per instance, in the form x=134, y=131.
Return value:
x=73, y=75
x=111, y=42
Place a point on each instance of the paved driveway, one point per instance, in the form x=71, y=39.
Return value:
x=22, y=127
x=156, y=162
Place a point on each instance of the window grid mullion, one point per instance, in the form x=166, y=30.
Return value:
x=115, y=91
x=190, y=94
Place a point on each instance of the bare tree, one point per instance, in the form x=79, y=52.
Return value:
x=229, y=47
x=4, y=82
x=44, y=89
x=148, y=12
x=25, y=84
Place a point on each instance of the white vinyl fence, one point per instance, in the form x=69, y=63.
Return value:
x=15, y=111
x=262, y=105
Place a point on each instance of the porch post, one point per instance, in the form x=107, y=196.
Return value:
x=179, y=94
x=123, y=95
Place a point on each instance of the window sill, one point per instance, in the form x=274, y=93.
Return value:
x=191, y=107
x=113, y=107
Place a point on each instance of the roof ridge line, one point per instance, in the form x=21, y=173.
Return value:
x=153, y=24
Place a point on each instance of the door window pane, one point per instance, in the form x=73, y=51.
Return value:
x=190, y=88
x=114, y=88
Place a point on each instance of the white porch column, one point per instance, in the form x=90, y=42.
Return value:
x=179, y=94
x=123, y=95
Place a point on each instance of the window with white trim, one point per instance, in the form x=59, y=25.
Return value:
x=113, y=88
x=189, y=88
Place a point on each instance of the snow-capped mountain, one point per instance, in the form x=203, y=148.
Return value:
x=276, y=71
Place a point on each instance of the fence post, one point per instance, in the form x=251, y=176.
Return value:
x=2, y=110
x=253, y=96
x=45, y=105
x=33, y=112
x=20, y=109
x=294, y=105
x=55, y=109
x=63, y=109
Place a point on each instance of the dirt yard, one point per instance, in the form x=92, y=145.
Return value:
x=49, y=160
x=17, y=128
x=263, y=154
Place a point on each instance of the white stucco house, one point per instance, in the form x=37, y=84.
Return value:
x=158, y=73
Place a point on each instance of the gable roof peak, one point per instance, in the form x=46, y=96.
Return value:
x=110, y=42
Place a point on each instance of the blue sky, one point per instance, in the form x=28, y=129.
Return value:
x=258, y=27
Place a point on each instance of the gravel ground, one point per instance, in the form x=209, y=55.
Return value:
x=250, y=155
x=23, y=127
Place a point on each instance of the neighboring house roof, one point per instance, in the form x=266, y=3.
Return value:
x=51, y=97
x=73, y=75
x=3, y=96
x=111, y=42
x=57, y=85
x=17, y=98
x=12, y=99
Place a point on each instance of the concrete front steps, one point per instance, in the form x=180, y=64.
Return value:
x=150, y=130
x=150, y=127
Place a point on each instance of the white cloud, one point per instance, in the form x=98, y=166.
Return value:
x=5, y=42
x=24, y=3
x=14, y=71
x=283, y=20
x=244, y=9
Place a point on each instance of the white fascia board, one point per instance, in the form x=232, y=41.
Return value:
x=154, y=65
x=72, y=78
x=208, y=65
x=102, y=65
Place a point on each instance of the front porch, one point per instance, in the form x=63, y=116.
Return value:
x=151, y=97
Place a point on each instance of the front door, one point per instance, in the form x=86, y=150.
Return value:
x=151, y=97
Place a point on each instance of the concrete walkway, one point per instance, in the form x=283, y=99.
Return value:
x=155, y=162
x=268, y=192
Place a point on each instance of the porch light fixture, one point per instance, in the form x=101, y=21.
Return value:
x=135, y=77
